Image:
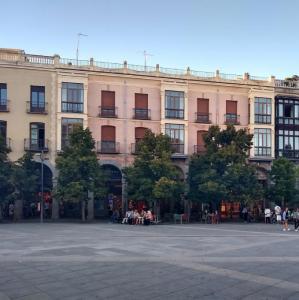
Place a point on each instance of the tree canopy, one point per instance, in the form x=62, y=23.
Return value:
x=153, y=176
x=222, y=172
x=79, y=170
x=283, y=181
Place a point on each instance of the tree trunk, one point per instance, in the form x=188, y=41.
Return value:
x=90, y=206
x=83, y=210
x=55, y=209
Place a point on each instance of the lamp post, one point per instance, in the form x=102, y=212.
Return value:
x=42, y=158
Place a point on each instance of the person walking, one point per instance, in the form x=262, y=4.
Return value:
x=296, y=219
x=285, y=219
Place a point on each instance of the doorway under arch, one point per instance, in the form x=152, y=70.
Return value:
x=113, y=201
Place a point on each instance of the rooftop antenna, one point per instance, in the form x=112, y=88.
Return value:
x=146, y=55
x=78, y=42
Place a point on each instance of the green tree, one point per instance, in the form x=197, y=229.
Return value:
x=222, y=172
x=79, y=170
x=26, y=178
x=283, y=181
x=6, y=183
x=153, y=177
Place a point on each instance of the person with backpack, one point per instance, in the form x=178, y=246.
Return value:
x=285, y=220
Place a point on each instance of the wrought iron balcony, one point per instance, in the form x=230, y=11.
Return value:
x=177, y=148
x=172, y=113
x=290, y=154
x=232, y=119
x=73, y=107
x=4, y=105
x=262, y=119
x=199, y=149
x=108, y=111
x=36, y=145
x=37, y=108
x=262, y=151
x=109, y=147
x=203, y=118
x=141, y=113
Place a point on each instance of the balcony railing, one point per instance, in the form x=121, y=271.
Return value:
x=203, y=118
x=108, y=111
x=287, y=84
x=262, y=119
x=262, y=151
x=37, y=109
x=178, y=148
x=109, y=147
x=291, y=154
x=4, y=105
x=73, y=107
x=199, y=149
x=36, y=145
x=141, y=113
x=287, y=121
x=172, y=113
x=232, y=119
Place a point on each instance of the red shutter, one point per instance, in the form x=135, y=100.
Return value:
x=139, y=132
x=203, y=105
x=141, y=101
x=108, y=133
x=108, y=99
x=200, y=140
x=231, y=107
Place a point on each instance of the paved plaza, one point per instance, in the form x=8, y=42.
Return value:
x=113, y=261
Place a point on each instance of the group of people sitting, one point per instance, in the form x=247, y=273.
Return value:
x=133, y=217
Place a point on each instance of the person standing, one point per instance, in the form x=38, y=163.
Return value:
x=285, y=219
x=267, y=215
x=277, y=210
x=296, y=219
x=245, y=214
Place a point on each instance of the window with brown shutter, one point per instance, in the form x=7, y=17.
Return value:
x=108, y=133
x=108, y=99
x=107, y=108
x=141, y=110
x=141, y=101
x=202, y=115
x=200, y=147
x=140, y=133
x=203, y=105
x=231, y=107
x=200, y=137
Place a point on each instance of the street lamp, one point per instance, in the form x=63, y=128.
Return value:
x=42, y=158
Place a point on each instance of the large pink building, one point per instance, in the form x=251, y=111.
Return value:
x=119, y=101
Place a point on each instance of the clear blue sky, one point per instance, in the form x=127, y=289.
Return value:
x=236, y=36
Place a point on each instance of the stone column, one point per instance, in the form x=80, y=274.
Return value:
x=56, y=59
x=90, y=206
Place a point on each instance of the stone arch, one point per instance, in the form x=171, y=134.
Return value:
x=114, y=184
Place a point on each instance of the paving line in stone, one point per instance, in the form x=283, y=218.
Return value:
x=267, y=281
x=259, y=233
x=150, y=259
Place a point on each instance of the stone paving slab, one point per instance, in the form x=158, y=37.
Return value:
x=112, y=261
